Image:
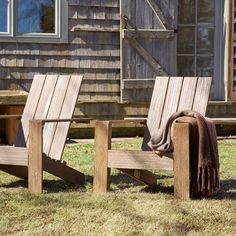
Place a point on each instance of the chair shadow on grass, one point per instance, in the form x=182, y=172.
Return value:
x=49, y=186
x=122, y=181
x=227, y=190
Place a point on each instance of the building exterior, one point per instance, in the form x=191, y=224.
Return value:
x=120, y=46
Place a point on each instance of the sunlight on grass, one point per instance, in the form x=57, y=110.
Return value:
x=129, y=209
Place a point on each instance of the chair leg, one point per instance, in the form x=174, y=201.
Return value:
x=101, y=181
x=35, y=171
x=182, y=160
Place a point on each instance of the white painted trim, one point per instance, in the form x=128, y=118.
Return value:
x=61, y=27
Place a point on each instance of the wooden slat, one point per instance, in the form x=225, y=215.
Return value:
x=29, y=110
x=63, y=171
x=67, y=110
x=35, y=169
x=182, y=161
x=172, y=98
x=148, y=33
x=13, y=156
x=156, y=108
x=148, y=57
x=18, y=171
x=143, y=176
x=54, y=111
x=132, y=159
x=202, y=94
x=157, y=11
x=188, y=93
x=101, y=179
x=46, y=97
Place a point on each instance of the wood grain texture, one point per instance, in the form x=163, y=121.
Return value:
x=35, y=168
x=182, y=161
x=13, y=156
x=67, y=110
x=61, y=170
x=143, y=176
x=202, y=94
x=101, y=179
x=134, y=159
x=29, y=110
x=54, y=112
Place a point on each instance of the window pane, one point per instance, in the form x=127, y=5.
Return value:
x=36, y=16
x=185, y=66
x=205, y=40
x=206, y=11
x=205, y=66
x=3, y=15
x=186, y=40
x=186, y=12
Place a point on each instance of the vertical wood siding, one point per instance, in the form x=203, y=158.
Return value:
x=93, y=50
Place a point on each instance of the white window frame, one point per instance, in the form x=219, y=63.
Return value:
x=218, y=53
x=61, y=26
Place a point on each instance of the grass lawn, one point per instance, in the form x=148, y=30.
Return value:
x=129, y=209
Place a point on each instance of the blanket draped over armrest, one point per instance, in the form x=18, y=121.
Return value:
x=204, y=157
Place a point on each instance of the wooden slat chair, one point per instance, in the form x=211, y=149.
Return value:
x=43, y=130
x=170, y=94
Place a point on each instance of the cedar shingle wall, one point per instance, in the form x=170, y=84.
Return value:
x=93, y=49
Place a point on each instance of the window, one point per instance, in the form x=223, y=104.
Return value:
x=196, y=37
x=199, y=51
x=33, y=20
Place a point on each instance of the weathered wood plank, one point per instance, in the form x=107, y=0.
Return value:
x=182, y=161
x=101, y=181
x=54, y=111
x=158, y=12
x=63, y=171
x=35, y=168
x=202, y=94
x=29, y=111
x=188, y=93
x=133, y=159
x=172, y=98
x=148, y=33
x=67, y=110
x=107, y=3
x=149, y=59
x=156, y=109
x=13, y=156
x=143, y=176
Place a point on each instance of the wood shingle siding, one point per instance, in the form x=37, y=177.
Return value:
x=93, y=49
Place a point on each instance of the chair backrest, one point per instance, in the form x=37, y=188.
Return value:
x=172, y=94
x=50, y=97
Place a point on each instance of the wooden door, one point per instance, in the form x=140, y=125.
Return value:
x=148, y=46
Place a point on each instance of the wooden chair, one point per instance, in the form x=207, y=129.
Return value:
x=170, y=94
x=43, y=130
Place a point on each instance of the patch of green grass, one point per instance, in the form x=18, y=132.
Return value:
x=129, y=209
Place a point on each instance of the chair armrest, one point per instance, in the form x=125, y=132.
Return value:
x=129, y=120
x=10, y=116
x=103, y=130
x=77, y=120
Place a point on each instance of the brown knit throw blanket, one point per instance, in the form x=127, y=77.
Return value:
x=204, y=158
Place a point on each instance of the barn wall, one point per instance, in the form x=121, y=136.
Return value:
x=93, y=50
